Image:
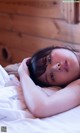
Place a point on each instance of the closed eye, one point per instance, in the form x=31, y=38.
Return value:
x=46, y=60
x=49, y=59
x=52, y=77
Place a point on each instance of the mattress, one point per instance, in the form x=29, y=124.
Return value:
x=14, y=118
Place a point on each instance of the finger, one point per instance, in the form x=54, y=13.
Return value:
x=28, y=61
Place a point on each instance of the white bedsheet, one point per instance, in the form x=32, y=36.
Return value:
x=13, y=120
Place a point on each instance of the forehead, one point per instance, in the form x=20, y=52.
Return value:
x=62, y=51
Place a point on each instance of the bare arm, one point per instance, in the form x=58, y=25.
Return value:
x=33, y=96
x=42, y=105
x=63, y=100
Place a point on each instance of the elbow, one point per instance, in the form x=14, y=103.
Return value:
x=40, y=111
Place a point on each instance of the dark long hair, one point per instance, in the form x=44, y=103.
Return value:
x=37, y=67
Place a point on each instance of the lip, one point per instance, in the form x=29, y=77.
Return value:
x=65, y=66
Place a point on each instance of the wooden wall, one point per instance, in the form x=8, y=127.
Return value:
x=28, y=25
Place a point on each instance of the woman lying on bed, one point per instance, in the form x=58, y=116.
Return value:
x=48, y=68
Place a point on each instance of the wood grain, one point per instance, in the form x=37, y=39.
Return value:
x=29, y=25
x=39, y=8
x=41, y=27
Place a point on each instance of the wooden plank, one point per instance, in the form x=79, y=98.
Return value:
x=29, y=25
x=76, y=13
x=17, y=55
x=26, y=43
x=3, y=63
x=40, y=8
x=68, y=32
x=22, y=1
x=68, y=11
x=21, y=47
x=79, y=11
x=41, y=27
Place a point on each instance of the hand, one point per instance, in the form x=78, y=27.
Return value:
x=12, y=69
x=23, y=68
x=13, y=81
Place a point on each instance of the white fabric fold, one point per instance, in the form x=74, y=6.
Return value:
x=15, y=117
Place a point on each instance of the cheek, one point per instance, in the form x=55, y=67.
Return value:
x=60, y=77
x=74, y=69
x=64, y=78
x=74, y=73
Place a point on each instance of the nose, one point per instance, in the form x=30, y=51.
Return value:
x=56, y=67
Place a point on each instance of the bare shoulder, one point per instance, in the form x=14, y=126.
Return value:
x=77, y=81
x=73, y=87
x=74, y=83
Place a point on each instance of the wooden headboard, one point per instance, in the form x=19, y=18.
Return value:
x=28, y=25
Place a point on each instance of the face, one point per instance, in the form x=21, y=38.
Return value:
x=62, y=67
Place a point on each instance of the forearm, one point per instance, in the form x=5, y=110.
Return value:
x=34, y=97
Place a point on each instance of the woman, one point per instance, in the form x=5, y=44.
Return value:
x=50, y=66
x=53, y=66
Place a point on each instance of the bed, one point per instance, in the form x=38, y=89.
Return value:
x=14, y=120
